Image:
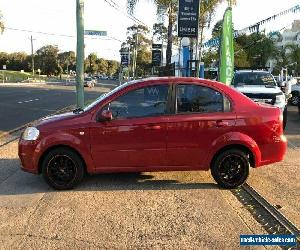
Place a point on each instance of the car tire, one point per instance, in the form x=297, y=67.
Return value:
x=230, y=169
x=295, y=99
x=62, y=168
x=284, y=118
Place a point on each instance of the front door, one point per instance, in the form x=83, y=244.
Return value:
x=202, y=115
x=136, y=137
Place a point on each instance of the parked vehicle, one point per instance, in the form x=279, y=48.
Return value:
x=89, y=82
x=261, y=87
x=157, y=124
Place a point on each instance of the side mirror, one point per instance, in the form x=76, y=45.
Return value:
x=104, y=116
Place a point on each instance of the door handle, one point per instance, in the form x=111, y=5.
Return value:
x=153, y=127
x=221, y=123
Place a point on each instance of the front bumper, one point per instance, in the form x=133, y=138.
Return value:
x=27, y=151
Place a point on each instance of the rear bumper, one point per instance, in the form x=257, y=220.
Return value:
x=274, y=152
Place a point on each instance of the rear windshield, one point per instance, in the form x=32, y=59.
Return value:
x=253, y=78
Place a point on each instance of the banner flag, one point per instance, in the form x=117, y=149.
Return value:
x=226, y=49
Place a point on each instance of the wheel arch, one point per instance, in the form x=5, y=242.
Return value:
x=241, y=147
x=59, y=146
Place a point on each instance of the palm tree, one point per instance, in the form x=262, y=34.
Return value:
x=293, y=55
x=168, y=7
x=207, y=12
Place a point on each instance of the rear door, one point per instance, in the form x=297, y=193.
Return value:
x=201, y=115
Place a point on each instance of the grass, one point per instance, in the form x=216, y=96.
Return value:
x=18, y=76
x=14, y=76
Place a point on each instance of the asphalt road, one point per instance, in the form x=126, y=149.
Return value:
x=21, y=104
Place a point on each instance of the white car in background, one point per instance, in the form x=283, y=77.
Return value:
x=261, y=87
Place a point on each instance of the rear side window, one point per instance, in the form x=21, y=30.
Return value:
x=199, y=99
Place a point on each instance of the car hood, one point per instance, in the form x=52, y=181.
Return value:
x=258, y=89
x=55, y=118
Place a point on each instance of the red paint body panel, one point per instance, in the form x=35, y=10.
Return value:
x=162, y=143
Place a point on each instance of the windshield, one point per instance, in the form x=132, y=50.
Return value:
x=103, y=96
x=253, y=78
x=88, y=79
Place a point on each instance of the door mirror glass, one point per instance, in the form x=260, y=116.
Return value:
x=105, y=115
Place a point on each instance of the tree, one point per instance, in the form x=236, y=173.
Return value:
x=67, y=60
x=216, y=31
x=2, y=27
x=90, y=63
x=293, y=54
x=112, y=67
x=207, y=12
x=102, y=66
x=258, y=47
x=47, y=59
x=168, y=7
x=137, y=40
x=160, y=32
x=18, y=61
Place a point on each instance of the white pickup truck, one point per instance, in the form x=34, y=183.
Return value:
x=261, y=86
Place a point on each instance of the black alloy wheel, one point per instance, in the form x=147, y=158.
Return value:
x=231, y=168
x=62, y=168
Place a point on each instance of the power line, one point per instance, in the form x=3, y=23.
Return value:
x=117, y=7
x=63, y=35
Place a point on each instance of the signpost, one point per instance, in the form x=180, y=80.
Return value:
x=188, y=18
x=156, y=46
x=156, y=57
x=4, y=68
x=125, y=58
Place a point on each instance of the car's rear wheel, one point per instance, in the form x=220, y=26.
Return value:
x=230, y=169
x=62, y=168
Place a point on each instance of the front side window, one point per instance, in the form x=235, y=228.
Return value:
x=199, y=99
x=142, y=102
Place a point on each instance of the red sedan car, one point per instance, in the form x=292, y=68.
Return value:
x=157, y=124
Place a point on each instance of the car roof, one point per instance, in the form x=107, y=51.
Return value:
x=176, y=80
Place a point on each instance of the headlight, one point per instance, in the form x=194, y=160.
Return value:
x=30, y=134
x=280, y=99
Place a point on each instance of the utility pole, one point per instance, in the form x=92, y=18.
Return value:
x=80, y=54
x=32, y=56
x=135, y=55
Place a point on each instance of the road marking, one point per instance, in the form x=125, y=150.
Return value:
x=31, y=100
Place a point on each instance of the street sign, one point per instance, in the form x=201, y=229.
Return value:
x=156, y=46
x=156, y=57
x=95, y=33
x=4, y=67
x=188, y=18
x=125, y=59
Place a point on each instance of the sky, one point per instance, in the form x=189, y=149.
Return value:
x=57, y=17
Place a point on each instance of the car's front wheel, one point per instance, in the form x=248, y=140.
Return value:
x=62, y=168
x=230, y=169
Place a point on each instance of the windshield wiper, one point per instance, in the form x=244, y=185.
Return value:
x=78, y=110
